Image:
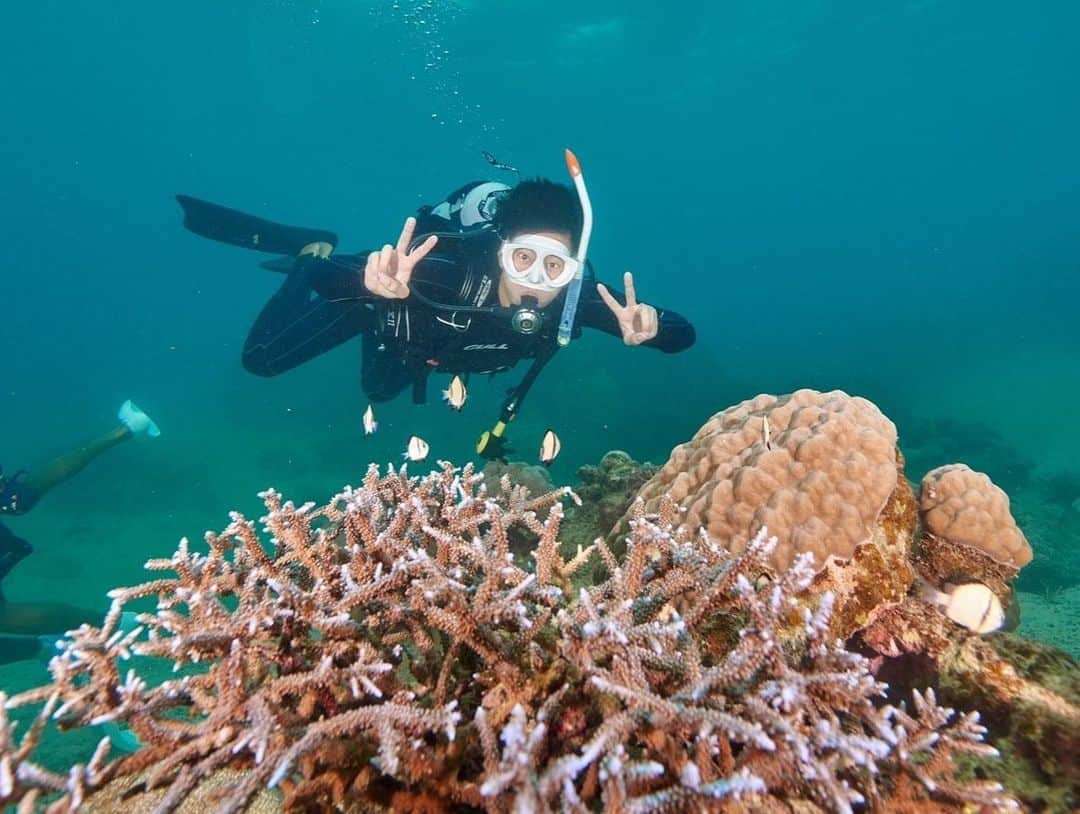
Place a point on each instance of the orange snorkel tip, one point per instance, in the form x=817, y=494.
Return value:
x=572, y=163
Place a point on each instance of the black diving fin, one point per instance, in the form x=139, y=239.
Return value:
x=283, y=265
x=226, y=225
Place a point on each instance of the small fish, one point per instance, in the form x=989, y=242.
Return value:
x=456, y=394
x=417, y=449
x=975, y=607
x=493, y=161
x=972, y=605
x=549, y=448
x=370, y=424
x=765, y=429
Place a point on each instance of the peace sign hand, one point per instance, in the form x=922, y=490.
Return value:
x=388, y=271
x=637, y=321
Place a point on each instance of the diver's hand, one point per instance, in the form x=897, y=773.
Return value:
x=637, y=321
x=388, y=271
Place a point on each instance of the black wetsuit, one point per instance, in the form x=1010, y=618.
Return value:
x=323, y=303
x=14, y=499
x=18, y=497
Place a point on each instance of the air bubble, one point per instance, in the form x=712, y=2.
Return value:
x=423, y=32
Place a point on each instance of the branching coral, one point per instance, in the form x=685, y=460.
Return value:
x=387, y=653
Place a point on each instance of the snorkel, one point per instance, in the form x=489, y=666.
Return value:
x=573, y=293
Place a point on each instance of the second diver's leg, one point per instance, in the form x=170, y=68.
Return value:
x=19, y=648
x=32, y=618
x=39, y=480
x=44, y=618
x=13, y=550
x=296, y=325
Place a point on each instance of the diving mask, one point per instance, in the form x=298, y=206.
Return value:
x=538, y=262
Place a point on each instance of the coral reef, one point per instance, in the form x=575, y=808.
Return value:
x=1040, y=729
x=967, y=531
x=822, y=471
x=517, y=478
x=816, y=468
x=1044, y=502
x=502, y=476
x=606, y=491
x=964, y=507
x=1027, y=692
x=385, y=653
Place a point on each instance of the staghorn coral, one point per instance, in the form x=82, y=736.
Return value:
x=389, y=655
x=516, y=480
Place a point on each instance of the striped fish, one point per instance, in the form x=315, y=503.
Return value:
x=417, y=449
x=549, y=447
x=456, y=394
x=370, y=424
x=975, y=607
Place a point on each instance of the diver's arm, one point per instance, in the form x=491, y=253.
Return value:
x=341, y=277
x=384, y=274
x=674, y=332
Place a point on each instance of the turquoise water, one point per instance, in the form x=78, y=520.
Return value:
x=877, y=197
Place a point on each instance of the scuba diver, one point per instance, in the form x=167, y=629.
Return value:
x=491, y=275
x=30, y=626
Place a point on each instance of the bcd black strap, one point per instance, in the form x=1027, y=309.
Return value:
x=516, y=395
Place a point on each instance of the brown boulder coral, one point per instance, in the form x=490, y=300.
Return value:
x=968, y=533
x=822, y=472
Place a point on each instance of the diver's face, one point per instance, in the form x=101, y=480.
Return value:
x=522, y=259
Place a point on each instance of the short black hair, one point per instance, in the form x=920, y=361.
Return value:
x=540, y=205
